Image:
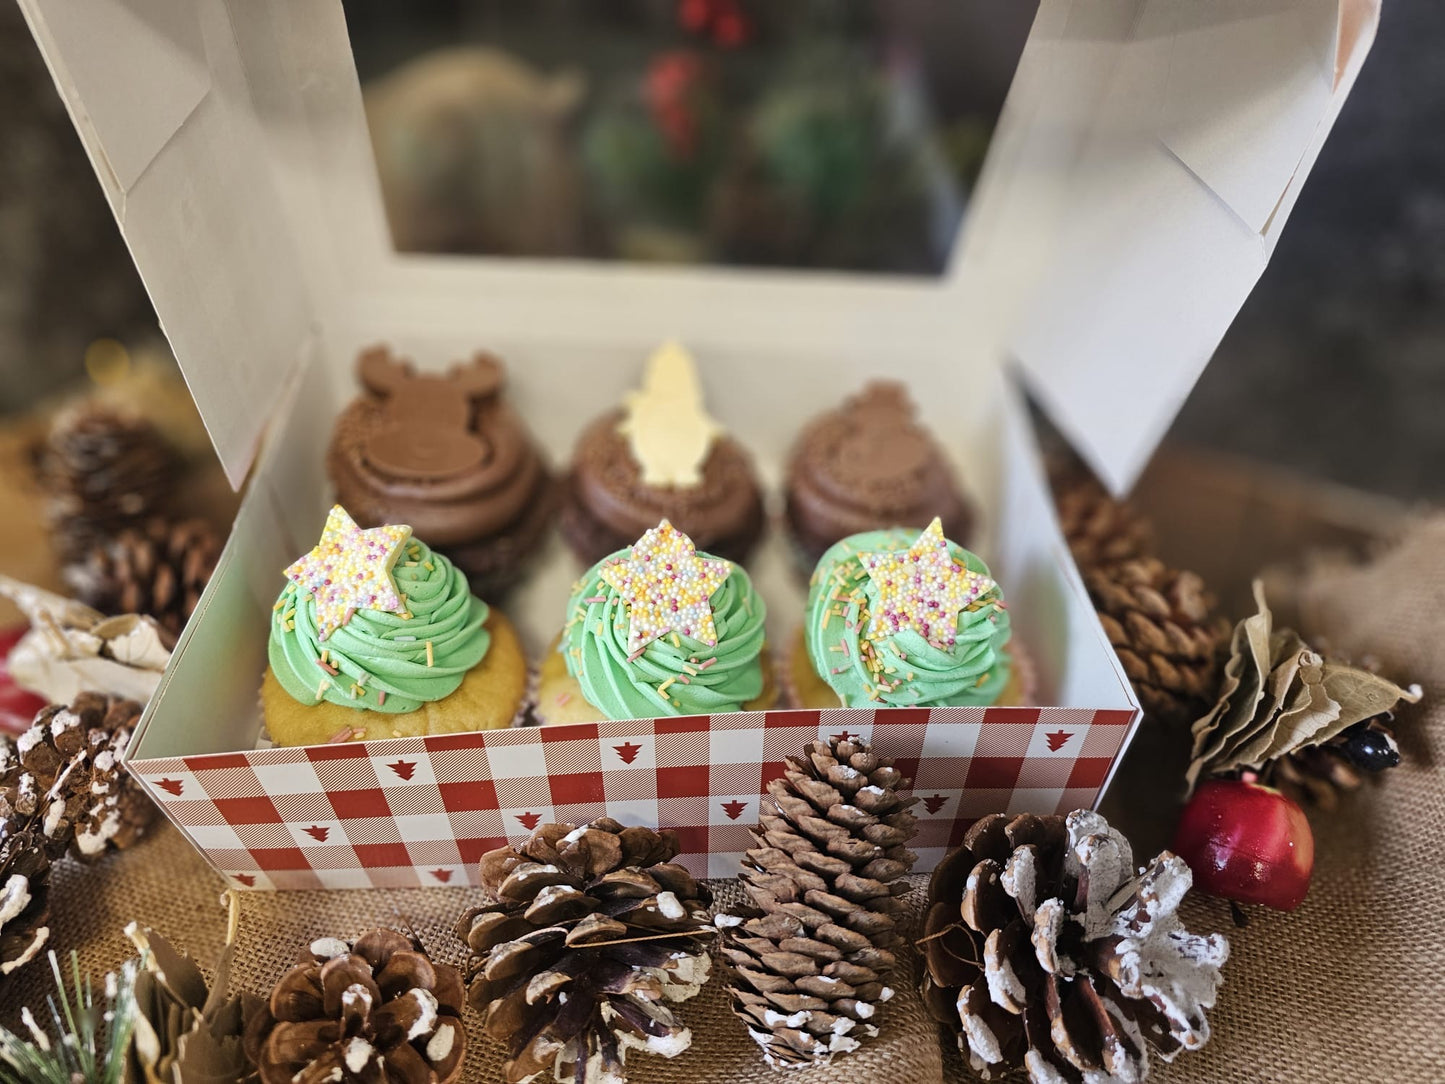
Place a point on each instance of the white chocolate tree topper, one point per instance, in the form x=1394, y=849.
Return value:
x=666, y=424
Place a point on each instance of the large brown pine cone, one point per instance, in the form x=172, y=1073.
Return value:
x=1046, y=951
x=1100, y=530
x=159, y=569
x=103, y=470
x=377, y=1011
x=24, y=893
x=97, y=805
x=593, y=931
x=1162, y=624
x=807, y=961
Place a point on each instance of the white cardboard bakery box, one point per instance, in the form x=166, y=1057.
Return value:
x=1144, y=164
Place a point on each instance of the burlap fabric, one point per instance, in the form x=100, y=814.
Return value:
x=1348, y=988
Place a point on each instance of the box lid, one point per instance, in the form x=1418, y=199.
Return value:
x=1145, y=161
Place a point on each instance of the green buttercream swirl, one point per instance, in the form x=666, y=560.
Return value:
x=970, y=673
x=385, y=652
x=594, y=646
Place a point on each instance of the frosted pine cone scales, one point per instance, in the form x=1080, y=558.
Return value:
x=69, y=763
x=1046, y=951
x=377, y=1011
x=594, y=932
x=807, y=962
x=24, y=893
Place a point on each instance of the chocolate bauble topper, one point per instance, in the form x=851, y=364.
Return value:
x=423, y=428
x=881, y=441
x=667, y=426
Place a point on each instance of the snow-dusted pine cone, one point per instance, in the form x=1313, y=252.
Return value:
x=1046, y=951
x=1162, y=624
x=24, y=893
x=807, y=960
x=97, y=805
x=593, y=932
x=378, y=1011
x=159, y=569
x=103, y=470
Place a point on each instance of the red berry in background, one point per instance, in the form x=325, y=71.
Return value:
x=1247, y=842
x=17, y=707
x=673, y=83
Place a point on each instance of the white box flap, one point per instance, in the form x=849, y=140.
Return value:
x=159, y=95
x=1147, y=156
x=1213, y=116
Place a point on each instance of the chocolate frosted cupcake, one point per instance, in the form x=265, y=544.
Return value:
x=661, y=456
x=658, y=629
x=868, y=466
x=444, y=453
x=901, y=619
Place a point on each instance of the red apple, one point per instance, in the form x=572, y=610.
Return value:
x=1247, y=842
x=17, y=707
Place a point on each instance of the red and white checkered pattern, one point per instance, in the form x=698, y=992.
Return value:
x=421, y=811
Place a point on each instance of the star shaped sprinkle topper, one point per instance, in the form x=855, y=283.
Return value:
x=666, y=587
x=350, y=570
x=921, y=588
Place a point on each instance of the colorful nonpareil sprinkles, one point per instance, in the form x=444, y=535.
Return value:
x=666, y=587
x=350, y=569
x=921, y=588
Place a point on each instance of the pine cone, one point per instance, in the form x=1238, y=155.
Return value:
x=378, y=1011
x=159, y=569
x=807, y=960
x=1319, y=774
x=104, y=471
x=1163, y=627
x=594, y=930
x=24, y=893
x=97, y=805
x=1100, y=530
x=1046, y=952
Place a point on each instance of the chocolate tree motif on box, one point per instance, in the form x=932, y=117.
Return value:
x=378, y=1010
x=1045, y=951
x=66, y=770
x=595, y=930
x=807, y=961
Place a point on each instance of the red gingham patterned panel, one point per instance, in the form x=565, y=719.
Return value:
x=421, y=811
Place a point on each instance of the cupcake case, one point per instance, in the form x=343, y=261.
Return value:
x=1124, y=213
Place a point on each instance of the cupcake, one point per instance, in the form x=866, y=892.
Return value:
x=902, y=619
x=868, y=466
x=661, y=457
x=658, y=629
x=377, y=636
x=447, y=455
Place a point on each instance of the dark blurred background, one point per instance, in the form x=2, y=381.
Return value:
x=813, y=135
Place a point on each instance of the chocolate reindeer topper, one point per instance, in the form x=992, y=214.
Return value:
x=423, y=429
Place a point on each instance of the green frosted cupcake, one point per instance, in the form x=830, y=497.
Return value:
x=902, y=618
x=658, y=629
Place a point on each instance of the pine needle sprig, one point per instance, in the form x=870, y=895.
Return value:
x=91, y=1038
